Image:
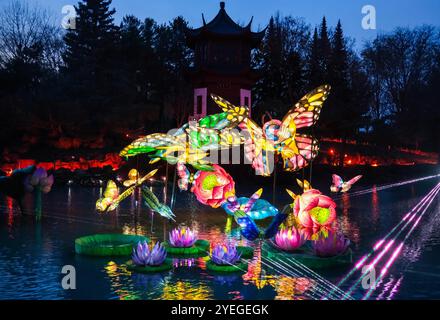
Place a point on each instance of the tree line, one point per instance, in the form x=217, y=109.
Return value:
x=112, y=81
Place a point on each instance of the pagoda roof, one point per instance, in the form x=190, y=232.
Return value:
x=223, y=25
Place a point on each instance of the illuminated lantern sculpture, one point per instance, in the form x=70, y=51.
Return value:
x=313, y=209
x=182, y=237
x=39, y=180
x=112, y=198
x=254, y=207
x=213, y=187
x=147, y=255
x=289, y=239
x=340, y=185
x=225, y=254
x=281, y=137
x=333, y=245
x=248, y=227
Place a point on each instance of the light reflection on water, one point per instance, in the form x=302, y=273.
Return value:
x=33, y=253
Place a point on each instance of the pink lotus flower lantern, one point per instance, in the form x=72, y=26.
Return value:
x=39, y=179
x=314, y=210
x=182, y=237
x=213, y=187
x=332, y=245
x=289, y=239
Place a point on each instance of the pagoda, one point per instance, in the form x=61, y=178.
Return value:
x=222, y=62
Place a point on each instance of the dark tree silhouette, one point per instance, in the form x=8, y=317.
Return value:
x=105, y=84
x=281, y=63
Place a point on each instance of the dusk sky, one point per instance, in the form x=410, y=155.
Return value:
x=390, y=13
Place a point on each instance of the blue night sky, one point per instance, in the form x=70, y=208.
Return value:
x=390, y=13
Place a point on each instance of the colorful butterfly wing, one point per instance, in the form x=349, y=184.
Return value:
x=305, y=185
x=337, y=181
x=235, y=114
x=230, y=138
x=307, y=110
x=262, y=209
x=215, y=121
x=307, y=150
x=354, y=180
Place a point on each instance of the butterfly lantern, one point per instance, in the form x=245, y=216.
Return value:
x=340, y=185
x=248, y=227
x=281, y=137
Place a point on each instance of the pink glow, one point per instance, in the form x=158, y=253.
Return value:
x=361, y=262
x=412, y=218
x=391, y=260
x=378, y=244
x=387, y=247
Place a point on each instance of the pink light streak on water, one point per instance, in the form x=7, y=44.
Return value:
x=378, y=244
x=414, y=211
x=379, y=257
x=361, y=262
x=413, y=214
x=395, y=289
x=391, y=260
x=399, y=248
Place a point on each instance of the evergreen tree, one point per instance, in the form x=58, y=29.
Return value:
x=338, y=114
x=338, y=65
x=315, y=76
x=90, y=47
x=281, y=62
x=132, y=54
x=319, y=56
x=325, y=49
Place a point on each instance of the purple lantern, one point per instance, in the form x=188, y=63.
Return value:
x=225, y=255
x=182, y=237
x=147, y=255
x=332, y=245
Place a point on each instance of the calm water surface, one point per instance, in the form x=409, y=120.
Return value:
x=33, y=253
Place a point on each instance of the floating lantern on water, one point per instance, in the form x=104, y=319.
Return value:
x=182, y=237
x=39, y=180
x=148, y=255
x=289, y=239
x=333, y=245
x=225, y=254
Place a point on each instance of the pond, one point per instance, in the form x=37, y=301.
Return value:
x=33, y=253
